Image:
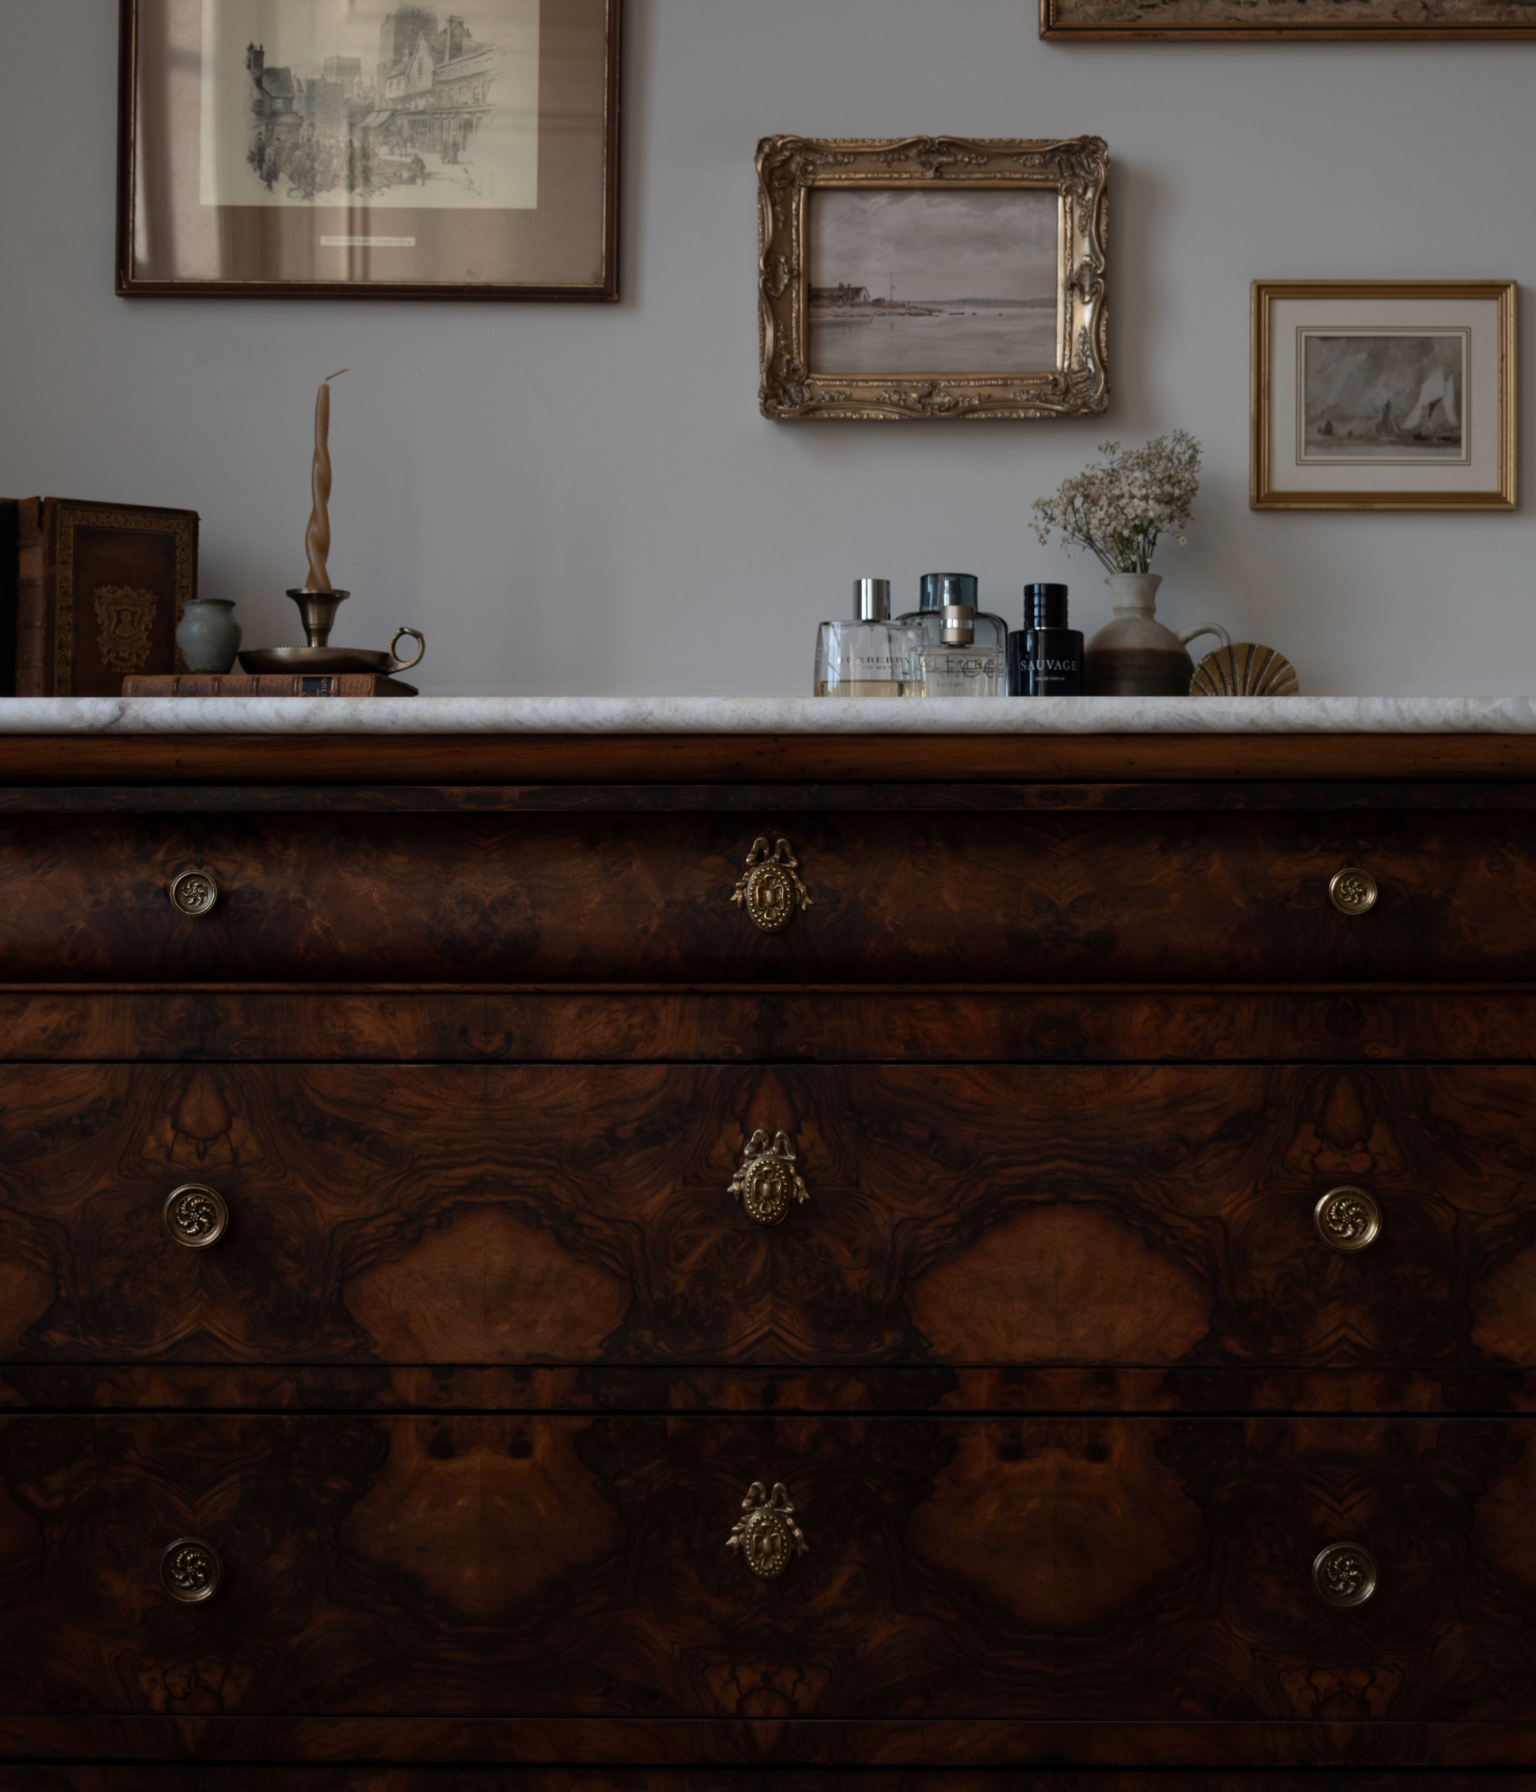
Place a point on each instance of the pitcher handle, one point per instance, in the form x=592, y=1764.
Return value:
x=1186, y=635
x=421, y=647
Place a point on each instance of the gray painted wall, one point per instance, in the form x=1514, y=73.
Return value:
x=585, y=500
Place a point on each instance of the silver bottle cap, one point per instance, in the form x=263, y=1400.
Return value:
x=959, y=622
x=872, y=599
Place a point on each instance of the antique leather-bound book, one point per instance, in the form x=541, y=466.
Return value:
x=8, y=508
x=266, y=684
x=99, y=591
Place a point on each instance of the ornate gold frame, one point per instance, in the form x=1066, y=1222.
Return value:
x=1262, y=494
x=788, y=168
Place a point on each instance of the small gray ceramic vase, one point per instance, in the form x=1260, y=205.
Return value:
x=208, y=635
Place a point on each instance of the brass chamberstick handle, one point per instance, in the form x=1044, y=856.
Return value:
x=191, y=1571
x=767, y=1537
x=195, y=1215
x=1344, y=1575
x=770, y=889
x=767, y=1185
x=194, y=893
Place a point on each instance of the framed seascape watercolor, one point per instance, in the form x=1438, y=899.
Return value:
x=1384, y=395
x=369, y=149
x=1258, y=20
x=927, y=278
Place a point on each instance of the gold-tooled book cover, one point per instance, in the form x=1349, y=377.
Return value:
x=100, y=589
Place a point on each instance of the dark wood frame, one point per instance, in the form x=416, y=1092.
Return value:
x=1050, y=27
x=605, y=291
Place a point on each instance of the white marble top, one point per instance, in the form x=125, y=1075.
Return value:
x=767, y=715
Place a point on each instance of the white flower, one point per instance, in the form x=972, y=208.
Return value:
x=1119, y=509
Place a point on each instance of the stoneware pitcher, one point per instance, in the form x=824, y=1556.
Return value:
x=1134, y=655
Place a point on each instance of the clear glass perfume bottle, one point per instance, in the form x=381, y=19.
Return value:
x=939, y=591
x=867, y=655
x=968, y=659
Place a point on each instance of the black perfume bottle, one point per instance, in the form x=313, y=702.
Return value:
x=1045, y=657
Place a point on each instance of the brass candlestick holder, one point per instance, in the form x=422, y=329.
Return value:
x=317, y=611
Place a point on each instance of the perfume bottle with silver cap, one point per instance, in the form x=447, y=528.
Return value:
x=963, y=650
x=866, y=655
x=939, y=591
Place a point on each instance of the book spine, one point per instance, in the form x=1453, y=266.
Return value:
x=263, y=684
x=31, y=598
x=8, y=551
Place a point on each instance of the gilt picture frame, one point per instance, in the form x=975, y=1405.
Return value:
x=380, y=149
x=1260, y=21
x=1384, y=395
x=927, y=279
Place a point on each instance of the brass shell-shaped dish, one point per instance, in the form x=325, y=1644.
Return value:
x=1245, y=669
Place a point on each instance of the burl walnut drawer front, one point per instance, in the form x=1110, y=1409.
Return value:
x=1012, y=898
x=1078, y=1569
x=797, y=1215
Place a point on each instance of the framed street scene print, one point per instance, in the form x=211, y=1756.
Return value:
x=1384, y=395
x=369, y=149
x=930, y=278
x=1257, y=20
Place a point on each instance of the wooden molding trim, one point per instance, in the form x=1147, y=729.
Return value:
x=649, y=759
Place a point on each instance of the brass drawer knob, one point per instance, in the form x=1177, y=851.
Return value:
x=194, y=893
x=1347, y=1219
x=1344, y=1574
x=768, y=1184
x=767, y=1537
x=196, y=1215
x=190, y=1570
x=770, y=889
x=1353, y=891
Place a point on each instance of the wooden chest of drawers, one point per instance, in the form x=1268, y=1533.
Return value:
x=1035, y=1287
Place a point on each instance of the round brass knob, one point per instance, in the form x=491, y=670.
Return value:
x=1353, y=891
x=196, y=1215
x=767, y=1538
x=1347, y=1219
x=194, y=893
x=1344, y=1574
x=767, y=1185
x=190, y=1570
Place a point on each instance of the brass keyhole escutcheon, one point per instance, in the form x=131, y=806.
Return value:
x=767, y=1537
x=1353, y=891
x=195, y=1215
x=770, y=889
x=1347, y=1219
x=1344, y=1575
x=191, y=1571
x=767, y=1185
x=194, y=893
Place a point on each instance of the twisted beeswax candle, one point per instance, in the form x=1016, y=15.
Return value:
x=317, y=537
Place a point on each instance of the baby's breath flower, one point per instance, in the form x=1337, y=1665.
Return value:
x=1118, y=510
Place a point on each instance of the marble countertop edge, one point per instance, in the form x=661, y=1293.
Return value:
x=83, y=716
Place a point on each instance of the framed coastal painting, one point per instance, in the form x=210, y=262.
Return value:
x=1384, y=395
x=1260, y=20
x=369, y=149
x=932, y=278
